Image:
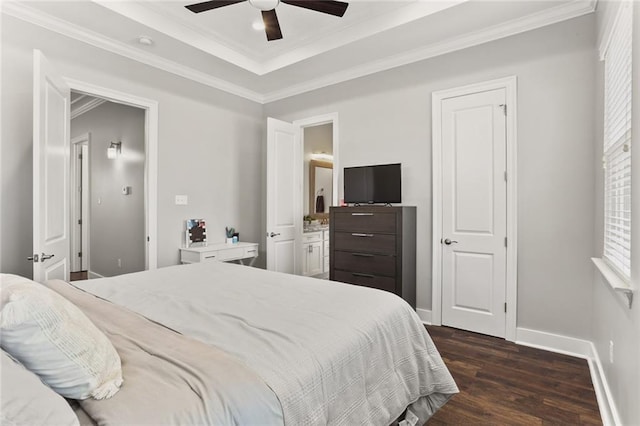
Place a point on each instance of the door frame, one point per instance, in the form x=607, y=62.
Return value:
x=319, y=120
x=151, y=156
x=510, y=86
x=76, y=149
x=300, y=125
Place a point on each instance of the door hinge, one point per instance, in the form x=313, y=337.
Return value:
x=505, y=241
x=505, y=175
x=505, y=307
x=79, y=156
x=504, y=108
x=79, y=221
x=79, y=254
x=148, y=239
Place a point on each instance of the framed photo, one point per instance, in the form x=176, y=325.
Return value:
x=196, y=233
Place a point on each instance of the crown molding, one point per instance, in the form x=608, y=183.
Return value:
x=550, y=16
x=86, y=107
x=51, y=23
x=173, y=26
x=147, y=15
x=516, y=26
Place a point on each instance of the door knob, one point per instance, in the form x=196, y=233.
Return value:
x=448, y=242
x=273, y=234
x=44, y=257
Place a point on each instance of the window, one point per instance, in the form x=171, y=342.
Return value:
x=617, y=144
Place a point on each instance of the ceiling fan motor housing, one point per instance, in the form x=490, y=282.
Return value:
x=264, y=4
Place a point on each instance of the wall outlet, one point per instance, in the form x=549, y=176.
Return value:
x=119, y=263
x=182, y=200
x=611, y=351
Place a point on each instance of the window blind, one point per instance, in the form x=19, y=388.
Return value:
x=617, y=144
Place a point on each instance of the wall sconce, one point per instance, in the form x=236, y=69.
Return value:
x=114, y=150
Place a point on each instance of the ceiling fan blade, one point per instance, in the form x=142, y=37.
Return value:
x=271, y=24
x=212, y=4
x=336, y=8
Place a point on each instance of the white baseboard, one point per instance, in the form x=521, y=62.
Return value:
x=94, y=275
x=581, y=349
x=425, y=315
x=554, y=342
x=608, y=411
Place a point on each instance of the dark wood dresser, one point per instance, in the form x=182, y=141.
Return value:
x=375, y=246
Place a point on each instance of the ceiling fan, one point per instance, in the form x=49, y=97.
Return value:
x=269, y=17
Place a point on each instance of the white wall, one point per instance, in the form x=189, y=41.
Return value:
x=611, y=319
x=386, y=118
x=210, y=143
x=117, y=221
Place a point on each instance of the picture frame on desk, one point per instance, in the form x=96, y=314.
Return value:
x=196, y=233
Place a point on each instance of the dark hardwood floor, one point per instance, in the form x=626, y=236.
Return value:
x=502, y=383
x=76, y=276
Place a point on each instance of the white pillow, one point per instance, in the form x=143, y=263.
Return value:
x=52, y=338
x=27, y=401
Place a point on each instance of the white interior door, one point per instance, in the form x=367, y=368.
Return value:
x=284, y=204
x=51, y=157
x=474, y=209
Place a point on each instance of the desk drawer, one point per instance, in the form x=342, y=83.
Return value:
x=365, y=221
x=365, y=262
x=234, y=253
x=366, y=280
x=208, y=256
x=365, y=242
x=251, y=251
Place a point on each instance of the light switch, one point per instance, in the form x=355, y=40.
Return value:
x=182, y=200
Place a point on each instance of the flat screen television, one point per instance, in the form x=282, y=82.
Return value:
x=373, y=184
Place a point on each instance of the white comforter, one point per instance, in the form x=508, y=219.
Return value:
x=333, y=353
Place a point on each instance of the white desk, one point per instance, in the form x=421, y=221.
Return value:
x=221, y=252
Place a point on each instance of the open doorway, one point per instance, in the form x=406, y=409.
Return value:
x=108, y=187
x=320, y=177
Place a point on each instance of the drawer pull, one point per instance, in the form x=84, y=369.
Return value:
x=210, y=257
x=357, y=234
x=357, y=274
x=251, y=251
x=362, y=254
x=361, y=214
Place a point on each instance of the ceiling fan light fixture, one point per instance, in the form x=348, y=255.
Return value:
x=264, y=4
x=145, y=40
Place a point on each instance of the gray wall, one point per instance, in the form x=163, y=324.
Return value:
x=117, y=220
x=555, y=67
x=210, y=143
x=611, y=318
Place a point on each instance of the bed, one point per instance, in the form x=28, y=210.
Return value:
x=219, y=343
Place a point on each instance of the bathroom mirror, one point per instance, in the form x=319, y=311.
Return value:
x=320, y=188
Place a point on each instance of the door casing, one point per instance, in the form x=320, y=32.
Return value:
x=80, y=204
x=510, y=86
x=151, y=153
x=299, y=126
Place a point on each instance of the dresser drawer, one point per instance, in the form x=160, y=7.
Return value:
x=366, y=280
x=365, y=242
x=375, y=264
x=365, y=221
